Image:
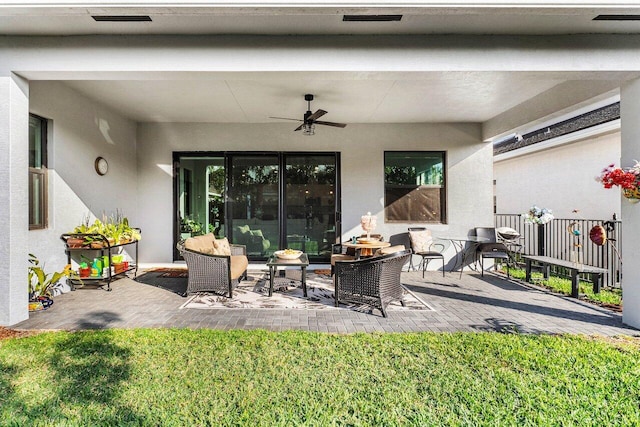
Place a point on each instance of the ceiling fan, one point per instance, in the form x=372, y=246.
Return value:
x=311, y=119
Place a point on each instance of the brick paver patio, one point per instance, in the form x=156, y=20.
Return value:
x=471, y=303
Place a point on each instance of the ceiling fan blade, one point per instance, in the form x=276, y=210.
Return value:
x=316, y=115
x=337, y=125
x=299, y=127
x=286, y=118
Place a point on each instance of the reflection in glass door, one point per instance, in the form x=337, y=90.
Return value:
x=253, y=196
x=310, y=203
x=201, y=183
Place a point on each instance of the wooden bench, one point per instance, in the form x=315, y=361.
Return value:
x=546, y=262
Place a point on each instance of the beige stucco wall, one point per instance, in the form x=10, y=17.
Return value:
x=361, y=146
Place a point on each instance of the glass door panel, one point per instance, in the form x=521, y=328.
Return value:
x=200, y=196
x=310, y=203
x=252, y=213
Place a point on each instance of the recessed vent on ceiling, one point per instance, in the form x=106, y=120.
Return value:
x=617, y=18
x=371, y=18
x=121, y=18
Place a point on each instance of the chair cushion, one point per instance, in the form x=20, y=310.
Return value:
x=221, y=247
x=239, y=264
x=426, y=254
x=203, y=244
x=341, y=257
x=421, y=241
x=390, y=250
x=491, y=247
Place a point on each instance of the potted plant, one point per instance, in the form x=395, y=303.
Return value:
x=190, y=227
x=42, y=283
x=114, y=228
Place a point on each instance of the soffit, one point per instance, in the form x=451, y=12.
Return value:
x=534, y=18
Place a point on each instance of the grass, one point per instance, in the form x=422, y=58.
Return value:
x=607, y=296
x=259, y=378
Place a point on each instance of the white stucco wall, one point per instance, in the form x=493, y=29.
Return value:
x=80, y=130
x=361, y=146
x=560, y=179
x=14, y=202
x=630, y=152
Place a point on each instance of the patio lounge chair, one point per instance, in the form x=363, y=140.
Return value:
x=371, y=281
x=214, y=273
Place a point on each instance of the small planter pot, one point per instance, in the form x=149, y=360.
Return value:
x=74, y=242
x=40, y=303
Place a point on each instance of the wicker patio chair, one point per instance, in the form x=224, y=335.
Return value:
x=215, y=273
x=371, y=281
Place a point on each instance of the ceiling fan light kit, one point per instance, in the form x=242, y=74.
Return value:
x=309, y=129
x=311, y=119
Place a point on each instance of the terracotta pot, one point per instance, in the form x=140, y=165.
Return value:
x=96, y=245
x=75, y=242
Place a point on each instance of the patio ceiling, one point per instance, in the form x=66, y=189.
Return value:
x=429, y=97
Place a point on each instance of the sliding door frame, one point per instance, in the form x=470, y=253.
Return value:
x=227, y=155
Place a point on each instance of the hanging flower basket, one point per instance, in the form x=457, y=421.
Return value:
x=628, y=179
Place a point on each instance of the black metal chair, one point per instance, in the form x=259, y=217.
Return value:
x=427, y=253
x=371, y=281
x=491, y=249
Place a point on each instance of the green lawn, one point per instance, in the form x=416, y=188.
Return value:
x=561, y=285
x=205, y=377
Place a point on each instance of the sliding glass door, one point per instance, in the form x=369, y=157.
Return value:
x=265, y=201
x=310, y=203
x=253, y=216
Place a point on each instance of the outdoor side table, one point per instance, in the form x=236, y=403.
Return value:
x=459, y=244
x=366, y=249
x=274, y=262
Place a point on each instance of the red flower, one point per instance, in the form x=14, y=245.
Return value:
x=611, y=176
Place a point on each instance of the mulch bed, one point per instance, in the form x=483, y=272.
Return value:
x=6, y=333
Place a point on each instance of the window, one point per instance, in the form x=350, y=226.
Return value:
x=414, y=186
x=37, y=172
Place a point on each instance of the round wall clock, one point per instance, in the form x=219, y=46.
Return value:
x=101, y=165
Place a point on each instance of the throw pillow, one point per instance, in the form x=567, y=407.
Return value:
x=421, y=241
x=389, y=250
x=221, y=247
x=256, y=233
x=243, y=229
x=202, y=244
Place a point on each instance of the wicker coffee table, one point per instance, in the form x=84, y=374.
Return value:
x=274, y=262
